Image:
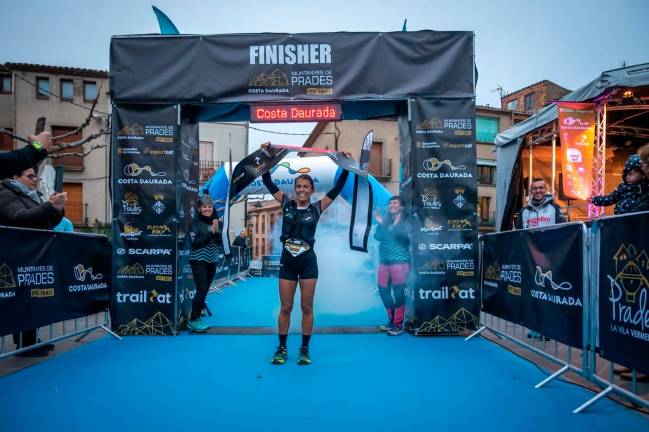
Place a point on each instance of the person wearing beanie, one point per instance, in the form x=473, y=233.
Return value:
x=627, y=194
x=204, y=234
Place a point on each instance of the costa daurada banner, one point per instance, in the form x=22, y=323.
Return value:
x=144, y=181
x=443, y=296
x=624, y=291
x=535, y=278
x=577, y=130
x=47, y=277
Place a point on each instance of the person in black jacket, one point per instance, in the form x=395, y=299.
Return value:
x=21, y=205
x=205, y=238
x=626, y=196
x=16, y=161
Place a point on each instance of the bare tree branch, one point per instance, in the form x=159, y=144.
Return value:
x=64, y=146
x=78, y=154
x=6, y=132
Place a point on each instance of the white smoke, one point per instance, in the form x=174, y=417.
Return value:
x=347, y=278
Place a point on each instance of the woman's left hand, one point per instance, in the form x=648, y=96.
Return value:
x=347, y=153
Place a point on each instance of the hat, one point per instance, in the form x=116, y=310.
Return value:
x=632, y=162
x=206, y=199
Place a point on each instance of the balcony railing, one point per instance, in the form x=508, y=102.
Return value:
x=207, y=169
x=382, y=169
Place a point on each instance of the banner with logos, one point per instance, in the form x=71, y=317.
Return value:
x=187, y=174
x=144, y=186
x=577, y=133
x=624, y=290
x=274, y=67
x=47, y=277
x=444, y=295
x=535, y=278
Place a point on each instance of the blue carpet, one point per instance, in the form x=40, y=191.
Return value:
x=255, y=302
x=356, y=383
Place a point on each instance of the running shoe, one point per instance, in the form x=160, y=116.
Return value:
x=396, y=331
x=304, y=359
x=387, y=326
x=197, y=326
x=280, y=356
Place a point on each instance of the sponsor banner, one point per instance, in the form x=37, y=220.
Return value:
x=577, y=131
x=624, y=291
x=146, y=181
x=445, y=201
x=187, y=170
x=442, y=304
x=49, y=277
x=535, y=278
x=275, y=67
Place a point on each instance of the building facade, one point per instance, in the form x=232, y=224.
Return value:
x=64, y=96
x=532, y=98
x=263, y=226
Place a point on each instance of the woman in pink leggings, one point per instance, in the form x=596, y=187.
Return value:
x=393, y=233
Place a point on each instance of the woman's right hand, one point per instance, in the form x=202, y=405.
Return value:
x=265, y=145
x=378, y=217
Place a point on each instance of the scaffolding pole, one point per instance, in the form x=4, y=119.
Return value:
x=598, y=181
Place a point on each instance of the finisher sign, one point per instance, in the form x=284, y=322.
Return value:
x=295, y=113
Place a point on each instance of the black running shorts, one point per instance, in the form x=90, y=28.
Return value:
x=303, y=266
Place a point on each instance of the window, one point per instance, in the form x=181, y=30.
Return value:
x=487, y=128
x=376, y=157
x=529, y=102
x=484, y=208
x=486, y=175
x=5, y=84
x=263, y=224
x=67, y=89
x=512, y=105
x=257, y=224
x=206, y=151
x=6, y=142
x=256, y=247
x=89, y=91
x=42, y=88
x=70, y=163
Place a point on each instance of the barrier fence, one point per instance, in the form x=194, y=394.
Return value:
x=233, y=269
x=53, y=286
x=580, y=292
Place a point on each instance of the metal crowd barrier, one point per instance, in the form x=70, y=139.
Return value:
x=233, y=270
x=34, y=274
x=582, y=360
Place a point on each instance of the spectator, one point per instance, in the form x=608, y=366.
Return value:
x=643, y=201
x=21, y=205
x=16, y=161
x=541, y=210
x=627, y=194
x=241, y=240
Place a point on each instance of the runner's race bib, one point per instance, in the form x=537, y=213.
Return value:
x=296, y=247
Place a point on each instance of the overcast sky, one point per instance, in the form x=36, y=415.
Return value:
x=518, y=42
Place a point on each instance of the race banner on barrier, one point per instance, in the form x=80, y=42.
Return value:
x=443, y=296
x=144, y=180
x=535, y=278
x=47, y=277
x=624, y=290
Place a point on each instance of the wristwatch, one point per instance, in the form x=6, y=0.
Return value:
x=37, y=144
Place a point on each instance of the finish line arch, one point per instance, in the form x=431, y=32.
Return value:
x=162, y=86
